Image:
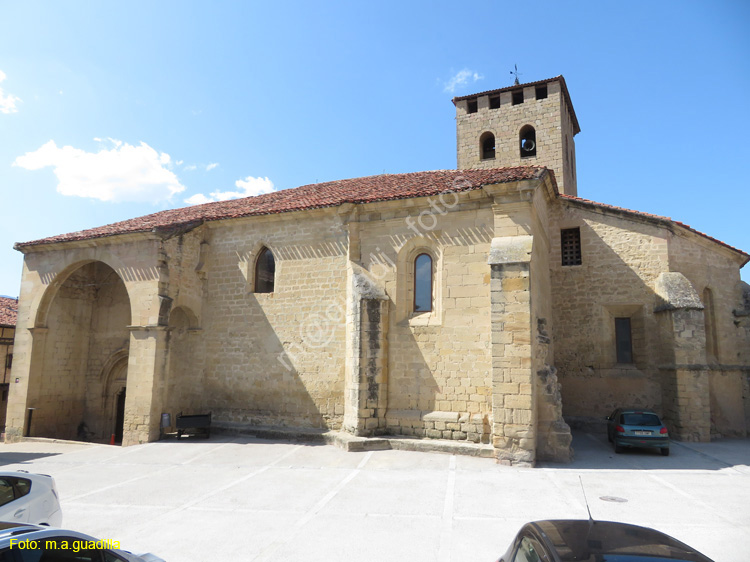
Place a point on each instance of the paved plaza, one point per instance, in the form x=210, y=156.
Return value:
x=246, y=499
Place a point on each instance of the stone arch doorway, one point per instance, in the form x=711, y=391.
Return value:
x=80, y=335
x=119, y=416
x=115, y=386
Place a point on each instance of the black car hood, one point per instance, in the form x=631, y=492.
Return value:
x=601, y=541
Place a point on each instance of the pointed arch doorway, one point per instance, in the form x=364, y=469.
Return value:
x=114, y=398
x=119, y=416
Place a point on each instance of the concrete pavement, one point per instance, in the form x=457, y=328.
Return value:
x=249, y=499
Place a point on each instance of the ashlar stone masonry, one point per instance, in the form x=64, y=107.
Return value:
x=487, y=304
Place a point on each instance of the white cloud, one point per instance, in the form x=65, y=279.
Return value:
x=123, y=173
x=7, y=101
x=461, y=78
x=198, y=199
x=211, y=166
x=191, y=167
x=250, y=187
x=255, y=186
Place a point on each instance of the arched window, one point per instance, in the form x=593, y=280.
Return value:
x=712, y=343
x=265, y=268
x=487, y=145
x=423, y=283
x=527, y=141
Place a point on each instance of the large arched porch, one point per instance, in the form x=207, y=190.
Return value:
x=80, y=350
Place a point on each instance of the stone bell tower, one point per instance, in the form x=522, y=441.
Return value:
x=523, y=125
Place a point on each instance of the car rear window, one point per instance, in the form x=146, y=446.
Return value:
x=23, y=486
x=640, y=419
x=6, y=491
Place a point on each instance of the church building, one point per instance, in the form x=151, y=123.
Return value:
x=489, y=304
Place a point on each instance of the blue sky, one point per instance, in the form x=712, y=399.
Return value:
x=114, y=110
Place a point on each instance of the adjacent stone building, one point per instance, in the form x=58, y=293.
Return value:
x=8, y=315
x=487, y=304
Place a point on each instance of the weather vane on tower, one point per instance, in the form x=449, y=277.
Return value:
x=516, y=74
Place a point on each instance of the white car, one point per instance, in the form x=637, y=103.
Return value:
x=31, y=543
x=29, y=498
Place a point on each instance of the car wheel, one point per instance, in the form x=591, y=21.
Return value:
x=665, y=451
x=618, y=449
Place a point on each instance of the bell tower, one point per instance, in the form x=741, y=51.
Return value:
x=523, y=125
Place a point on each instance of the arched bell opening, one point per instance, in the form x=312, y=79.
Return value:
x=487, y=146
x=527, y=141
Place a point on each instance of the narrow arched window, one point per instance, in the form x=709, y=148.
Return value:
x=487, y=145
x=527, y=141
x=712, y=343
x=265, y=269
x=423, y=283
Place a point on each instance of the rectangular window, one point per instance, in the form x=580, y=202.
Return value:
x=623, y=340
x=571, y=246
x=494, y=102
x=9, y=361
x=471, y=106
x=518, y=97
x=541, y=92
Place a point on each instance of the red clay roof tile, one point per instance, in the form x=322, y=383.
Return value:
x=314, y=196
x=8, y=311
x=654, y=217
x=369, y=189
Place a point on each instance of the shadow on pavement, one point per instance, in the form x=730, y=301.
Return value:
x=244, y=439
x=21, y=458
x=592, y=451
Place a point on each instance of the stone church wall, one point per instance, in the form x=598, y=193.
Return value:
x=715, y=277
x=185, y=370
x=439, y=380
x=621, y=260
x=553, y=437
x=275, y=358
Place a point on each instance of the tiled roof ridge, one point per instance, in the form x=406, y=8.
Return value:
x=507, y=88
x=8, y=311
x=653, y=217
x=368, y=189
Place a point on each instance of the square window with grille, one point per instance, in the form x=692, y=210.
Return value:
x=571, y=246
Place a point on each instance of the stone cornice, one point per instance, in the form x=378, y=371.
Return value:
x=101, y=241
